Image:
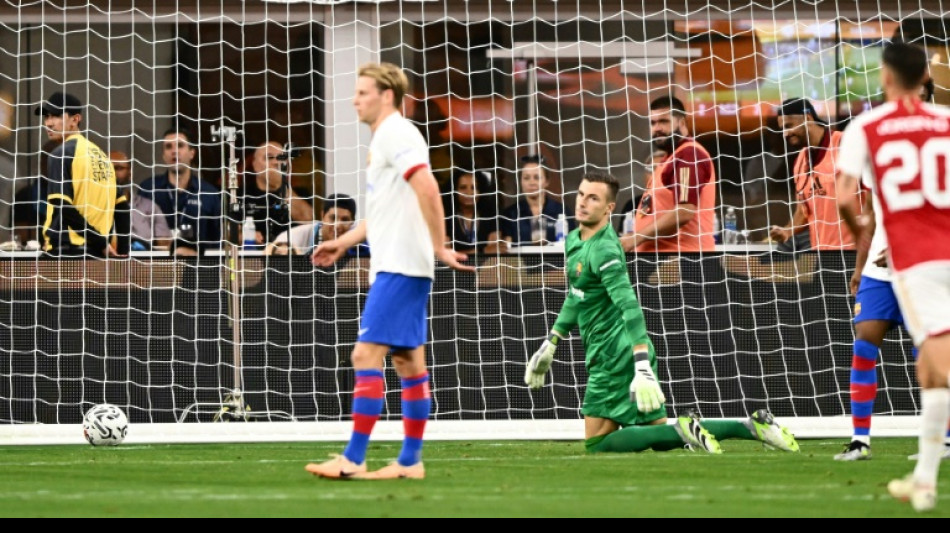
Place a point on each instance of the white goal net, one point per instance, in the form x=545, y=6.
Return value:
x=263, y=341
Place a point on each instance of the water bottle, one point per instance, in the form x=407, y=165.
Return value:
x=717, y=233
x=538, y=231
x=249, y=234
x=628, y=223
x=560, y=228
x=730, y=227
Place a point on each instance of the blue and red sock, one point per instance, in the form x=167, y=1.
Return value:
x=368, y=398
x=863, y=386
x=416, y=404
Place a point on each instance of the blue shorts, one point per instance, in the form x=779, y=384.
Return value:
x=876, y=301
x=396, y=311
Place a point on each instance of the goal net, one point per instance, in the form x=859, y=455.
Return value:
x=237, y=334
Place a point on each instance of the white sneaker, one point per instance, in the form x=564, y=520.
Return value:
x=10, y=246
x=921, y=497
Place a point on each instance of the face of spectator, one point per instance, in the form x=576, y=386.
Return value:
x=58, y=127
x=465, y=191
x=593, y=203
x=794, y=130
x=123, y=168
x=177, y=153
x=533, y=179
x=265, y=157
x=664, y=126
x=369, y=101
x=336, y=222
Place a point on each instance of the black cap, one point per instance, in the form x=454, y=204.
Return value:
x=799, y=106
x=342, y=201
x=59, y=103
x=532, y=158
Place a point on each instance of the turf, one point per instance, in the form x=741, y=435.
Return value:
x=464, y=479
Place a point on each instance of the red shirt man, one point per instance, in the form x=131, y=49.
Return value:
x=677, y=212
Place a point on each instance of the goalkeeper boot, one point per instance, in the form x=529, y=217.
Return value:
x=766, y=429
x=694, y=435
x=339, y=467
x=395, y=470
x=921, y=497
x=855, y=451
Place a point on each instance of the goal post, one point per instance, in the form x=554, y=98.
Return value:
x=736, y=329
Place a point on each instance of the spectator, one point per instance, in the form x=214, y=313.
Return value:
x=677, y=211
x=149, y=229
x=815, y=179
x=531, y=219
x=339, y=214
x=267, y=193
x=192, y=206
x=80, y=186
x=471, y=223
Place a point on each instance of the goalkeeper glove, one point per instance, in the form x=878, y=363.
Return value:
x=540, y=362
x=644, y=389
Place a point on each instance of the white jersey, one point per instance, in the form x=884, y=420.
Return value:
x=878, y=247
x=395, y=228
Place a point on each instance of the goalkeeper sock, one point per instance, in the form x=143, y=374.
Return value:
x=367, y=406
x=416, y=404
x=934, y=414
x=728, y=429
x=661, y=437
x=863, y=388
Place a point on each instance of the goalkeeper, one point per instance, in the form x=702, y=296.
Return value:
x=624, y=408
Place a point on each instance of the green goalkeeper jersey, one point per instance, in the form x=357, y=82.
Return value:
x=601, y=302
x=600, y=299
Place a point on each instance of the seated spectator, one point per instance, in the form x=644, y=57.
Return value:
x=149, y=229
x=192, y=206
x=339, y=214
x=471, y=223
x=531, y=220
x=268, y=196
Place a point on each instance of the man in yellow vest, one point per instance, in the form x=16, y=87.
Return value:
x=81, y=188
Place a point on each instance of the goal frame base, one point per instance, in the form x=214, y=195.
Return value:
x=436, y=430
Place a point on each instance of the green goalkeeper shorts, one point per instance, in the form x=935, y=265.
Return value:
x=608, y=385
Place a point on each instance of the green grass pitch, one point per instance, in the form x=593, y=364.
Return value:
x=464, y=479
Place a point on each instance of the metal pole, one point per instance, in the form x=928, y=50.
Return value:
x=228, y=136
x=533, y=147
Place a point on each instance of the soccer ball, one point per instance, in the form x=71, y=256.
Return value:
x=105, y=425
